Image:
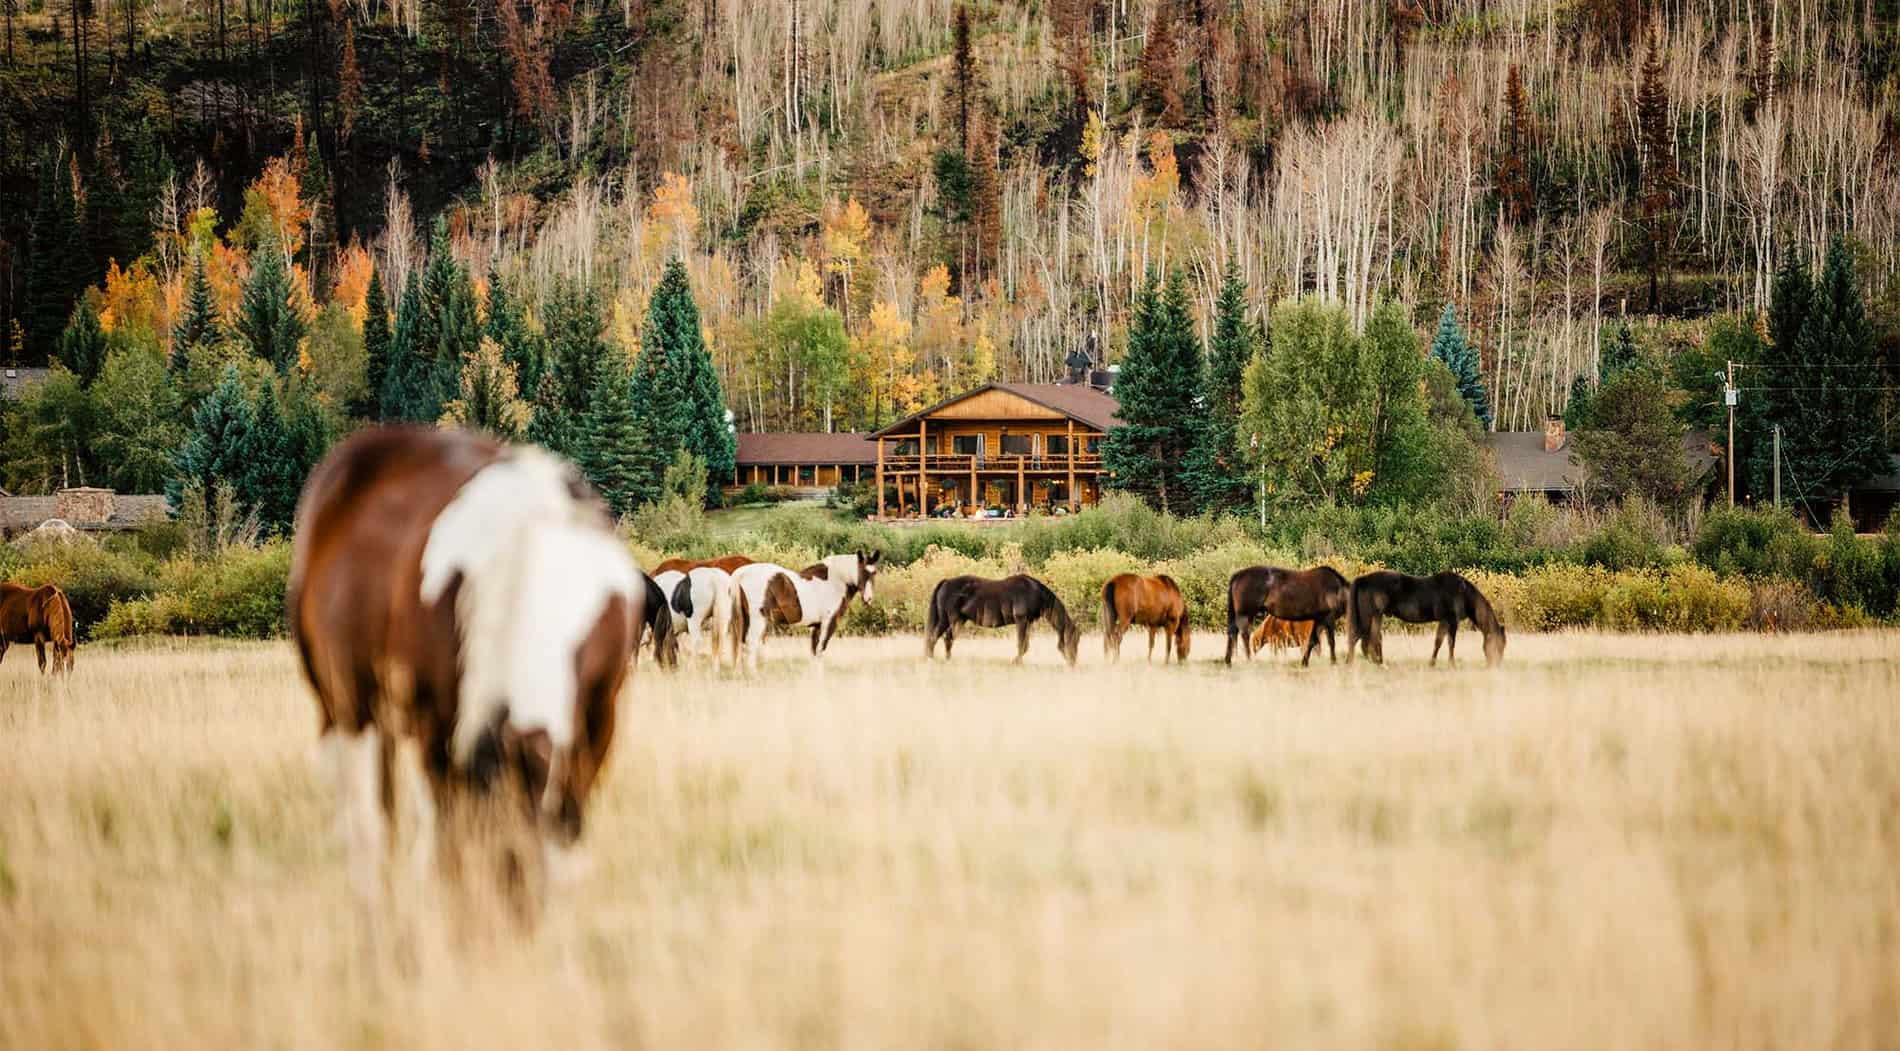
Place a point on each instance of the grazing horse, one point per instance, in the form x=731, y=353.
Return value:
x=39, y=616
x=1443, y=597
x=729, y=563
x=464, y=607
x=1317, y=595
x=706, y=602
x=1281, y=633
x=814, y=597
x=1154, y=603
x=1020, y=600
x=659, y=623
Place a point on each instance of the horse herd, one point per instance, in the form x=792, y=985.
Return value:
x=466, y=616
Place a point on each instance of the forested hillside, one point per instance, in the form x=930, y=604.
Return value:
x=879, y=201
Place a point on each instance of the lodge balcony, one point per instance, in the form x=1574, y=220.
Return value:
x=1003, y=463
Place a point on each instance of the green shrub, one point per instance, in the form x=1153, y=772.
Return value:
x=903, y=591
x=1077, y=578
x=1756, y=543
x=238, y=593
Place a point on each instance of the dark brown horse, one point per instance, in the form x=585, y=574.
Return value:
x=1020, y=600
x=1446, y=598
x=464, y=607
x=1317, y=595
x=729, y=563
x=1154, y=603
x=37, y=615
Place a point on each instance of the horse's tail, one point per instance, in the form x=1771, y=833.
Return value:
x=1233, y=620
x=683, y=596
x=59, y=616
x=1355, y=626
x=1108, y=608
x=933, y=618
x=739, y=615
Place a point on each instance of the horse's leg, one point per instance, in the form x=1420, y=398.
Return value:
x=1332, y=651
x=3, y=648
x=39, y=650
x=816, y=630
x=1312, y=646
x=1451, y=642
x=1151, y=645
x=1111, y=642
x=1022, y=640
x=1375, y=639
x=1437, y=641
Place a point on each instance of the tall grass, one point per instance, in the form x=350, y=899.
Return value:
x=1607, y=842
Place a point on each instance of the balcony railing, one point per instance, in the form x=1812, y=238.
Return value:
x=950, y=463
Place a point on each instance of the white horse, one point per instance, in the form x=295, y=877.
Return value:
x=814, y=597
x=708, y=602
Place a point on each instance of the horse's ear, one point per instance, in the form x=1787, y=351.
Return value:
x=873, y=557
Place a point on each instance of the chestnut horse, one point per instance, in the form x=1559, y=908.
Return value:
x=1154, y=603
x=1318, y=595
x=729, y=563
x=39, y=616
x=462, y=607
x=1446, y=598
x=1020, y=600
x=1282, y=633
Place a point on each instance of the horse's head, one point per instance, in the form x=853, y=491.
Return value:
x=1494, y=645
x=867, y=572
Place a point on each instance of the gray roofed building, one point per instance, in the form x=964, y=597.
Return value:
x=84, y=508
x=15, y=379
x=1545, y=462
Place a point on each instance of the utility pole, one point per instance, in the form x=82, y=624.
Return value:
x=1729, y=395
x=1777, y=466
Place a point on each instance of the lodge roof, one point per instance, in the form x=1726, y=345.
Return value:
x=1525, y=467
x=805, y=448
x=1080, y=403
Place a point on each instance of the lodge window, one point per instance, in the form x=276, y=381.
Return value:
x=1094, y=445
x=907, y=447
x=967, y=444
x=1018, y=445
x=1056, y=445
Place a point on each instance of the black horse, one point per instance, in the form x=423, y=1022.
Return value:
x=1443, y=597
x=1318, y=594
x=1020, y=600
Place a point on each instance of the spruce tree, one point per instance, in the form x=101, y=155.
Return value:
x=267, y=319
x=675, y=387
x=508, y=327
x=198, y=323
x=615, y=447
x=1619, y=354
x=1158, y=387
x=413, y=391
x=215, y=451
x=1216, y=475
x=265, y=471
x=82, y=346
x=549, y=424
x=578, y=356
x=1450, y=347
x=1815, y=383
x=58, y=263
x=375, y=346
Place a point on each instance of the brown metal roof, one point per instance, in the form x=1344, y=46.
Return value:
x=1082, y=404
x=805, y=448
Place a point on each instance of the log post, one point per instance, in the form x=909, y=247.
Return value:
x=1073, y=506
x=880, y=476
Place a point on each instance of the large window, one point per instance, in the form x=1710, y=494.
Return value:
x=1018, y=444
x=1056, y=445
x=967, y=444
x=1094, y=446
x=907, y=447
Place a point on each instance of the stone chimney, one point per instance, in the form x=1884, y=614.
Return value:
x=83, y=507
x=1553, y=433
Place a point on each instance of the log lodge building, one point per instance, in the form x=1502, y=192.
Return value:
x=1008, y=447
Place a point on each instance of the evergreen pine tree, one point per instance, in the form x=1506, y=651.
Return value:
x=1216, y=475
x=375, y=346
x=675, y=386
x=1619, y=354
x=1449, y=346
x=616, y=451
x=265, y=471
x=578, y=355
x=412, y=387
x=1158, y=386
x=1814, y=383
x=508, y=327
x=198, y=322
x=549, y=424
x=58, y=265
x=267, y=319
x=215, y=451
x=461, y=329
x=82, y=346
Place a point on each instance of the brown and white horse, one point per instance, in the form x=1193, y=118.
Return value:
x=729, y=563
x=814, y=597
x=466, y=606
x=39, y=616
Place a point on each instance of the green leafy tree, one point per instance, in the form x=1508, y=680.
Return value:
x=375, y=346
x=1461, y=358
x=1634, y=444
x=615, y=448
x=48, y=435
x=813, y=344
x=267, y=320
x=1158, y=387
x=488, y=398
x=1307, y=399
x=140, y=425
x=214, y=454
x=1618, y=355
x=198, y=321
x=82, y=347
x=675, y=387
x=335, y=360
x=1216, y=474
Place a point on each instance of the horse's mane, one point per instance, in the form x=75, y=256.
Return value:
x=1337, y=575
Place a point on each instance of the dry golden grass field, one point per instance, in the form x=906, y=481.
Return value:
x=1609, y=842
